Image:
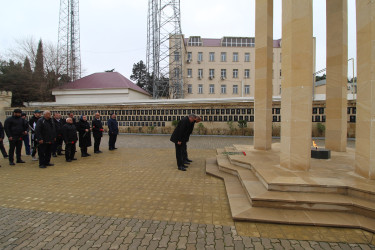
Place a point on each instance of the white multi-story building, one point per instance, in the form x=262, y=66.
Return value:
x=224, y=68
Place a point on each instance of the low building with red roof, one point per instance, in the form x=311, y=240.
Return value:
x=101, y=88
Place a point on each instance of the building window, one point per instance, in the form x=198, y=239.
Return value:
x=238, y=42
x=212, y=56
x=223, y=56
x=190, y=89
x=223, y=74
x=223, y=89
x=212, y=89
x=176, y=72
x=212, y=73
x=235, y=89
x=189, y=56
x=195, y=41
x=235, y=57
x=247, y=73
x=177, y=56
x=273, y=56
x=200, y=89
x=200, y=56
x=189, y=73
x=247, y=57
x=280, y=56
x=235, y=73
x=280, y=73
x=200, y=73
x=273, y=73
x=247, y=89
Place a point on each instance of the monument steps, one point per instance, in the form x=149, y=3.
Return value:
x=250, y=199
x=285, y=183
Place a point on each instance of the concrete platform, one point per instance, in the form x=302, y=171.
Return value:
x=329, y=194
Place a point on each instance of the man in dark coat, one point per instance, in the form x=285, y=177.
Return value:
x=97, y=132
x=45, y=134
x=26, y=138
x=180, y=136
x=112, y=132
x=3, y=151
x=69, y=133
x=32, y=123
x=15, y=128
x=84, y=132
x=57, y=146
x=184, y=145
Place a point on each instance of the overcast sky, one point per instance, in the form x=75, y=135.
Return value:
x=114, y=32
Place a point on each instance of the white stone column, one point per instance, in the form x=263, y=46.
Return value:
x=365, y=121
x=337, y=73
x=296, y=94
x=263, y=74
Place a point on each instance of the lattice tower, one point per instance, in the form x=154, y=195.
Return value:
x=69, y=52
x=164, y=48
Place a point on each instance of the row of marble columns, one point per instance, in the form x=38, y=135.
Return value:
x=297, y=66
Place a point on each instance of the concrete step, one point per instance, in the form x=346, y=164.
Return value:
x=242, y=210
x=259, y=196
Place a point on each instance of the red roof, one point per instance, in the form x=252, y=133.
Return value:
x=104, y=80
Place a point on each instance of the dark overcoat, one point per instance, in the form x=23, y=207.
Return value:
x=84, y=137
x=182, y=131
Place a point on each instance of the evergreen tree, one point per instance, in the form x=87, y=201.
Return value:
x=141, y=76
x=27, y=66
x=39, y=63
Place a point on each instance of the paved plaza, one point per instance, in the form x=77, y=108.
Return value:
x=135, y=198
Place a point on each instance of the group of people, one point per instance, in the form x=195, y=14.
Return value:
x=48, y=134
x=180, y=138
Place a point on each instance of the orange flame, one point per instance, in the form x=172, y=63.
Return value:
x=314, y=144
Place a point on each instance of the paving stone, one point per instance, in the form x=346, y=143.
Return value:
x=228, y=240
x=219, y=234
x=181, y=244
x=201, y=243
x=286, y=244
x=175, y=235
x=168, y=230
x=192, y=238
x=153, y=245
x=135, y=244
x=266, y=243
x=105, y=246
x=172, y=245
x=116, y=244
x=184, y=231
x=239, y=244
x=210, y=239
x=146, y=240
x=164, y=241
x=201, y=232
x=128, y=239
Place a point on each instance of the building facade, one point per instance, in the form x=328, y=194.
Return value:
x=224, y=68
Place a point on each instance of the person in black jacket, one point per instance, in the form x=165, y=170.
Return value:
x=112, y=132
x=32, y=123
x=184, y=145
x=15, y=128
x=69, y=133
x=45, y=134
x=26, y=138
x=57, y=145
x=97, y=132
x=180, y=136
x=84, y=132
x=3, y=151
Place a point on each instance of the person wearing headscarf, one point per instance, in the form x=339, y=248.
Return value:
x=84, y=132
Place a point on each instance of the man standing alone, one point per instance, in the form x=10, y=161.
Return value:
x=97, y=131
x=69, y=132
x=45, y=134
x=112, y=132
x=15, y=128
x=180, y=136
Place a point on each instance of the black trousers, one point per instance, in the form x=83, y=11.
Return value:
x=57, y=145
x=15, y=144
x=179, y=155
x=34, y=145
x=44, y=152
x=70, y=150
x=3, y=151
x=112, y=141
x=83, y=150
x=184, y=151
x=97, y=141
